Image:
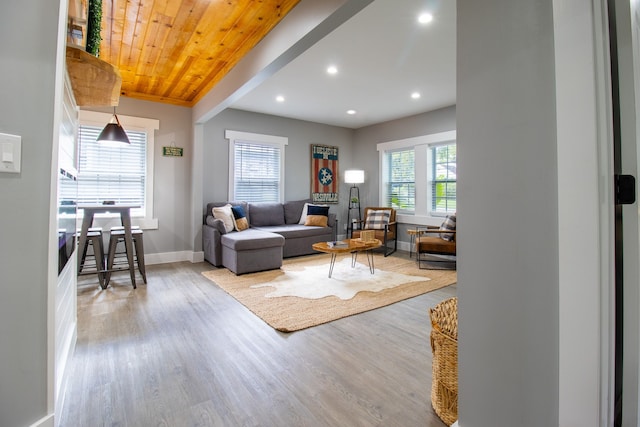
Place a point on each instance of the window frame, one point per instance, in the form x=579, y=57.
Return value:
x=423, y=214
x=387, y=169
x=236, y=137
x=140, y=124
x=433, y=181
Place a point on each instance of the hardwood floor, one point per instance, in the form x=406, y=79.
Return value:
x=179, y=351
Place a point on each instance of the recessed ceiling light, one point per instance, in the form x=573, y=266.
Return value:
x=352, y=112
x=332, y=69
x=425, y=18
x=415, y=95
x=280, y=98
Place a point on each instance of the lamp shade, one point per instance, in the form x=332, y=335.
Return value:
x=354, y=176
x=113, y=131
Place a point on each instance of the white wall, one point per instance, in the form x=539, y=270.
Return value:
x=507, y=208
x=629, y=90
x=29, y=29
x=584, y=207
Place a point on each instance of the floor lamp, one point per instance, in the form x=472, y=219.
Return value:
x=353, y=176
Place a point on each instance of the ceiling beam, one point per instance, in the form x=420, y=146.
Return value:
x=303, y=26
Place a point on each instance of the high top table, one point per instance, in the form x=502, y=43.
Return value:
x=125, y=220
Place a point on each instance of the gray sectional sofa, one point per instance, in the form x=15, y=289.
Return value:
x=274, y=233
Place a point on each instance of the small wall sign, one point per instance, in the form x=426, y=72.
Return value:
x=172, y=151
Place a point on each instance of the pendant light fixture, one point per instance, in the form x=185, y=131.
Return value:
x=113, y=131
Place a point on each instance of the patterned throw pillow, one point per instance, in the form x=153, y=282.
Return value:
x=239, y=218
x=448, y=224
x=305, y=211
x=224, y=213
x=377, y=220
x=317, y=216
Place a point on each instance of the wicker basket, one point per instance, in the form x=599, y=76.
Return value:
x=444, y=343
x=367, y=235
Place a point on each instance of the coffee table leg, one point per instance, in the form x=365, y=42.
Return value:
x=331, y=264
x=370, y=259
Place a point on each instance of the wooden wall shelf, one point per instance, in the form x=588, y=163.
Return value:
x=95, y=82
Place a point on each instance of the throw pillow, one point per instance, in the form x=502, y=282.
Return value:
x=317, y=216
x=318, y=210
x=448, y=224
x=239, y=218
x=377, y=220
x=305, y=208
x=316, y=220
x=224, y=213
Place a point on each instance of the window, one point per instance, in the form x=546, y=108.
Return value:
x=418, y=176
x=256, y=171
x=401, y=185
x=443, y=179
x=112, y=172
x=119, y=172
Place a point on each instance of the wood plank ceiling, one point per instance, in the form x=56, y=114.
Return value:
x=175, y=51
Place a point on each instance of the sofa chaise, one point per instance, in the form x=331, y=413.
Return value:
x=275, y=231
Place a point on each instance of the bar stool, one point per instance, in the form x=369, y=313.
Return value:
x=117, y=258
x=94, y=239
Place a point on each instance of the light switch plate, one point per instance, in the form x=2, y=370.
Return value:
x=10, y=150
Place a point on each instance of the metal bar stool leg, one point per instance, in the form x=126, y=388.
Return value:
x=139, y=246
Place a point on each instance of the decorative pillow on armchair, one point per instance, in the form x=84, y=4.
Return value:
x=448, y=224
x=377, y=220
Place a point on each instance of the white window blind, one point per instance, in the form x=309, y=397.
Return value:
x=401, y=179
x=112, y=171
x=257, y=172
x=443, y=179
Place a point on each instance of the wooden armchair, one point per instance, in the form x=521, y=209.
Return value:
x=382, y=220
x=432, y=240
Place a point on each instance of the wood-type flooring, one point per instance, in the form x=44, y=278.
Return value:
x=179, y=351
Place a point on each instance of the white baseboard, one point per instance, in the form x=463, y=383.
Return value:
x=47, y=421
x=167, y=257
x=455, y=424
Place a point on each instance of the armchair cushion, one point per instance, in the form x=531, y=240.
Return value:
x=449, y=224
x=377, y=219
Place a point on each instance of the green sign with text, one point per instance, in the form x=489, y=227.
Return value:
x=172, y=151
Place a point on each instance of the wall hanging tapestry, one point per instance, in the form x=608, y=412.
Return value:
x=324, y=174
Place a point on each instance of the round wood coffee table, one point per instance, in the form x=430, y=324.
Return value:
x=352, y=246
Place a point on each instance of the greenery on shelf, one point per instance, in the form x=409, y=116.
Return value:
x=93, y=27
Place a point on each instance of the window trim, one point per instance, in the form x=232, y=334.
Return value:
x=238, y=136
x=422, y=145
x=141, y=124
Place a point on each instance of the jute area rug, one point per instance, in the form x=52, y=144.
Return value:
x=319, y=299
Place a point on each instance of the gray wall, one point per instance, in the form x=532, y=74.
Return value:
x=172, y=175
x=357, y=150
x=301, y=135
x=507, y=205
x=29, y=29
